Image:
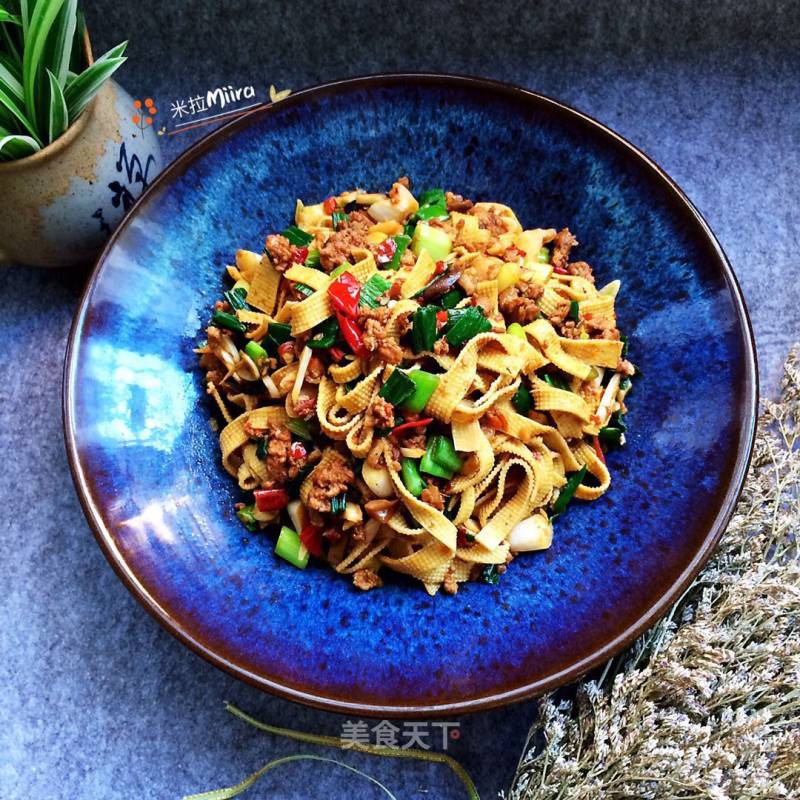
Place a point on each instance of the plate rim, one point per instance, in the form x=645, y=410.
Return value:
x=569, y=674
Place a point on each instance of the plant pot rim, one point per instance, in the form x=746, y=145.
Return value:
x=66, y=138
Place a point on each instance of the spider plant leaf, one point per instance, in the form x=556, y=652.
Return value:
x=59, y=42
x=7, y=16
x=14, y=146
x=25, y=17
x=58, y=117
x=12, y=66
x=12, y=111
x=10, y=82
x=41, y=21
x=83, y=88
x=12, y=38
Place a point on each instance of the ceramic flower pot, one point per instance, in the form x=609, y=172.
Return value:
x=58, y=206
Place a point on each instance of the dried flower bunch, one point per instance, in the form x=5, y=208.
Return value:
x=707, y=705
x=44, y=81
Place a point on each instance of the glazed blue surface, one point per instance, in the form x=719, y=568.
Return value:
x=150, y=460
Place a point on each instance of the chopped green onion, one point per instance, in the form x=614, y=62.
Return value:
x=434, y=240
x=423, y=328
x=247, y=517
x=625, y=384
x=515, y=329
x=222, y=319
x=426, y=383
x=432, y=205
x=255, y=351
x=338, y=503
x=452, y=298
x=312, y=260
x=279, y=332
x=444, y=453
x=431, y=467
x=236, y=297
x=398, y=387
x=409, y=472
x=402, y=241
x=489, y=574
x=567, y=492
x=617, y=420
x=338, y=219
x=299, y=427
x=410, y=227
x=303, y=289
x=261, y=450
x=342, y=268
x=471, y=323
x=291, y=549
x=610, y=436
x=297, y=236
x=574, y=311
x=326, y=334
x=522, y=400
x=624, y=340
x=372, y=290
x=556, y=381
x=543, y=256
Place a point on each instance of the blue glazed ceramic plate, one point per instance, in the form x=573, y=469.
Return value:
x=146, y=462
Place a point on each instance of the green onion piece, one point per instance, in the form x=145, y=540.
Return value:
x=574, y=311
x=434, y=240
x=423, y=328
x=617, y=420
x=431, y=467
x=279, y=331
x=297, y=236
x=372, y=290
x=444, y=453
x=522, y=400
x=326, y=334
x=398, y=387
x=489, y=574
x=247, y=518
x=452, y=298
x=560, y=505
x=255, y=351
x=261, y=450
x=412, y=480
x=342, y=268
x=426, y=383
x=303, y=289
x=291, y=549
x=624, y=340
x=610, y=436
x=470, y=324
x=338, y=219
x=515, y=329
x=312, y=260
x=432, y=205
x=556, y=381
x=402, y=241
x=236, y=297
x=543, y=256
x=625, y=384
x=338, y=503
x=222, y=319
x=410, y=227
x=299, y=427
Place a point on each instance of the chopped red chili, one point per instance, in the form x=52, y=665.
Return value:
x=414, y=423
x=352, y=334
x=440, y=268
x=345, y=293
x=329, y=205
x=395, y=289
x=598, y=449
x=560, y=270
x=286, y=350
x=299, y=254
x=271, y=499
x=297, y=452
x=385, y=251
x=337, y=354
x=441, y=316
x=311, y=537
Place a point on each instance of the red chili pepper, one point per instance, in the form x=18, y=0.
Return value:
x=271, y=499
x=395, y=289
x=560, y=270
x=337, y=354
x=297, y=452
x=345, y=293
x=329, y=205
x=415, y=423
x=441, y=316
x=440, y=268
x=385, y=251
x=352, y=334
x=285, y=350
x=461, y=538
x=311, y=537
x=598, y=449
x=299, y=255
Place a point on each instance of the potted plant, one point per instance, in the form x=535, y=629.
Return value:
x=74, y=153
